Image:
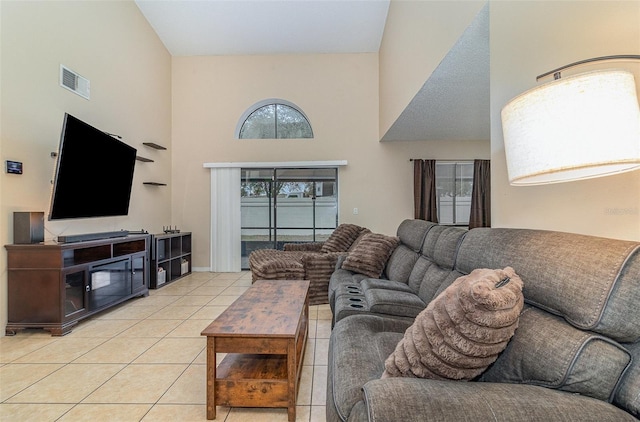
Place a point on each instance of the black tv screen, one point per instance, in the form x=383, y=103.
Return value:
x=94, y=173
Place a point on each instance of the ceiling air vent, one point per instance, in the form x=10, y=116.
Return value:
x=74, y=82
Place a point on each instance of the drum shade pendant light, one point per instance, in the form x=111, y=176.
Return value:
x=573, y=128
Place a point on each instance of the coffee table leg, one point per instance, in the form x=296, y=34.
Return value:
x=292, y=369
x=211, y=377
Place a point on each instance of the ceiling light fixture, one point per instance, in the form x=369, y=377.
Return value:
x=573, y=128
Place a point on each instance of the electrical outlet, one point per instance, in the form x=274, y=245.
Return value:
x=355, y=211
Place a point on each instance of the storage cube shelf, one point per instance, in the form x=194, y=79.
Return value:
x=170, y=258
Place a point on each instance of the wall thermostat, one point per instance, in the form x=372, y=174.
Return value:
x=14, y=167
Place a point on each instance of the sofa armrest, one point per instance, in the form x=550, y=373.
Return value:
x=310, y=247
x=412, y=399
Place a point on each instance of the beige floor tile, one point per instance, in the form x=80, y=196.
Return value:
x=155, y=300
x=15, y=378
x=102, y=327
x=240, y=414
x=309, y=353
x=118, y=350
x=318, y=414
x=182, y=412
x=175, y=289
x=137, y=384
x=14, y=347
x=190, y=388
x=224, y=300
x=190, y=328
x=173, y=350
x=312, y=328
x=106, y=413
x=192, y=300
x=306, y=386
x=216, y=282
x=235, y=290
x=69, y=384
x=242, y=282
x=208, y=313
x=319, y=393
x=63, y=350
x=313, y=312
x=32, y=412
x=229, y=276
x=175, y=312
x=324, y=312
x=323, y=329
x=322, y=351
x=207, y=291
x=200, y=275
x=129, y=312
x=152, y=328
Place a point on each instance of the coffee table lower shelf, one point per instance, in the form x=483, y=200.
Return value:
x=251, y=380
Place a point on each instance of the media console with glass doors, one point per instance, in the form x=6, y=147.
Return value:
x=54, y=285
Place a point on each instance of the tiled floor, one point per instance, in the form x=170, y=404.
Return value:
x=144, y=361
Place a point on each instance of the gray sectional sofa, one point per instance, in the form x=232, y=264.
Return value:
x=574, y=357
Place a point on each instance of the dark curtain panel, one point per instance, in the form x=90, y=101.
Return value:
x=424, y=190
x=481, y=195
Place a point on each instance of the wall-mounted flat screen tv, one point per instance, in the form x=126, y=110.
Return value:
x=94, y=173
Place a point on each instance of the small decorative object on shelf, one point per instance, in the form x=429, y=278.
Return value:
x=170, y=230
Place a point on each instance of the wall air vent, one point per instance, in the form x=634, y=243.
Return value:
x=74, y=82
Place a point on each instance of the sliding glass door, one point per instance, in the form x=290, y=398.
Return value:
x=287, y=205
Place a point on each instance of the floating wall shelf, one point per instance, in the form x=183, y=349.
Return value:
x=144, y=159
x=153, y=145
x=154, y=184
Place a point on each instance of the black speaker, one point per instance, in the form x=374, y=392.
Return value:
x=28, y=227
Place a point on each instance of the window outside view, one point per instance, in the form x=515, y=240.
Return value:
x=281, y=206
x=454, y=183
x=276, y=121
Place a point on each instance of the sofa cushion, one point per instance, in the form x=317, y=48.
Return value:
x=341, y=238
x=357, y=349
x=401, y=264
x=463, y=330
x=547, y=351
x=370, y=256
x=412, y=233
x=593, y=282
x=394, y=302
x=628, y=395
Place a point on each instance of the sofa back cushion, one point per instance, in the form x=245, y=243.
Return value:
x=547, y=351
x=593, y=282
x=411, y=234
x=433, y=273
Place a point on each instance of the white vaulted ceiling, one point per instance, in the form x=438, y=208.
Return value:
x=453, y=103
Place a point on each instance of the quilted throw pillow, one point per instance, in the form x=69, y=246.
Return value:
x=371, y=254
x=463, y=330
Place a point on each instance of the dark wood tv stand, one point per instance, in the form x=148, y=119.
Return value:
x=54, y=285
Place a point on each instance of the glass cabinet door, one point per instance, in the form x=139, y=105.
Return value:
x=74, y=294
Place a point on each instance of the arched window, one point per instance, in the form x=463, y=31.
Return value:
x=274, y=119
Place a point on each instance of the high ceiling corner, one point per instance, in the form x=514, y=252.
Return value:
x=453, y=104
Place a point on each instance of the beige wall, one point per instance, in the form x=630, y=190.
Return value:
x=111, y=44
x=417, y=36
x=530, y=38
x=338, y=93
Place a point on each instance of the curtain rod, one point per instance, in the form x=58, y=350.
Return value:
x=443, y=161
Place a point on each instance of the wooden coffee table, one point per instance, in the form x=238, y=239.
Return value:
x=264, y=333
